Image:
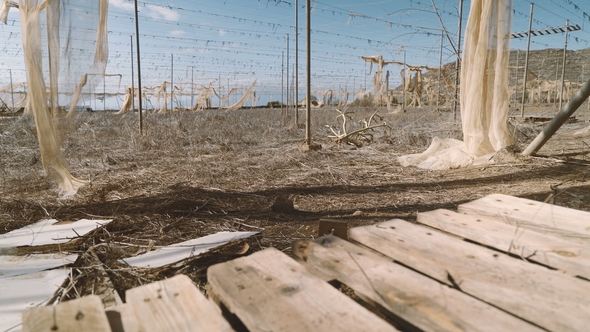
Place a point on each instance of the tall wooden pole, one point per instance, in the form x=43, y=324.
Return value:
x=132, y=77
x=516, y=83
x=442, y=37
x=296, y=63
x=282, y=79
x=526, y=60
x=567, y=23
x=458, y=63
x=138, y=71
x=11, y=89
x=172, y=83
x=288, y=75
x=192, y=85
x=104, y=93
x=308, y=73
x=403, y=84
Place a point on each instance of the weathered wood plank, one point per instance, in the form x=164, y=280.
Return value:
x=269, y=291
x=174, y=304
x=571, y=224
x=537, y=294
x=549, y=250
x=122, y=319
x=417, y=299
x=83, y=314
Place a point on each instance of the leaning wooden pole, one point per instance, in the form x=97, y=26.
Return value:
x=570, y=108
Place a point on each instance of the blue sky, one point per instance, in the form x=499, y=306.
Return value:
x=230, y=43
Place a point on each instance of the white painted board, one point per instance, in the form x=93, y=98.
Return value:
x=47, y=232
x=179, y=251
x=19, y=293
x=11, y=266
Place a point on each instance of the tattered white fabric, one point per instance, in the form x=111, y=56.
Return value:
x=250, y=94
x=4, y=8
x=162, y=101
x=224, y=99
x=484, y=90
x=67, y=68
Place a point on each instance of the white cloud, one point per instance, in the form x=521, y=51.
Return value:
x=128, y=6
x=177, y=32
x=161, y=13
x=222, y=32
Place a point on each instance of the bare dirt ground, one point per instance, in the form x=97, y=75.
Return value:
x=195, y=173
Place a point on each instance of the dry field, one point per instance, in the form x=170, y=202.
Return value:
x=195, y=173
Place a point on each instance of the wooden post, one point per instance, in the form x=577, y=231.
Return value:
x=296, y=63
x=11, y=89
x=526, y=60
x=308, y=70
x=138, y=71
x=458, y=63
x=172, y=84
x=567, y=23
x=132, y=76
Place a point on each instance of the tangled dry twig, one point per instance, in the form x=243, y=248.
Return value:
x=356, y=137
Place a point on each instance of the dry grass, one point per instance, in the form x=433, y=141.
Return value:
x=196, y=173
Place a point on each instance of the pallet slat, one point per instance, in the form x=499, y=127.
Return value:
x=269, y=291
x=174, y=304
x=552, y=251
x=548, y=298
x=83, y=314
x=122, y=319
x=570, y=224
x=415, y=298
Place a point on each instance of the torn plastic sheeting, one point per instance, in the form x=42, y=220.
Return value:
x=11, y=266
x=179, y=251
x=47, y=232
x=28, y=291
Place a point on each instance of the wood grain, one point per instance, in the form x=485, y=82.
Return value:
x=546, y=297
x=174, y=304
x=573, y=225
x=418, y=300
x=549, y=250
x=269, y=291
x=83, y=314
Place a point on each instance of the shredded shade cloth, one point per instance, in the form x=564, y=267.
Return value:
x=65, y=48
x=484, y=91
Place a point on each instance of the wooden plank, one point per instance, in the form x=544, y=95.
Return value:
x=174, y=304
x=571, y=224
x=269, y=291
x=417, y=299
x=83, y=314
x=552, y=251
x=537, y=294
x=122, y=319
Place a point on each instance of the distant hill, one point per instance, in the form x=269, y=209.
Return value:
x=546, y=63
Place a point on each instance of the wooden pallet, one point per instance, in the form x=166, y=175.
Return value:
x=500, y=263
